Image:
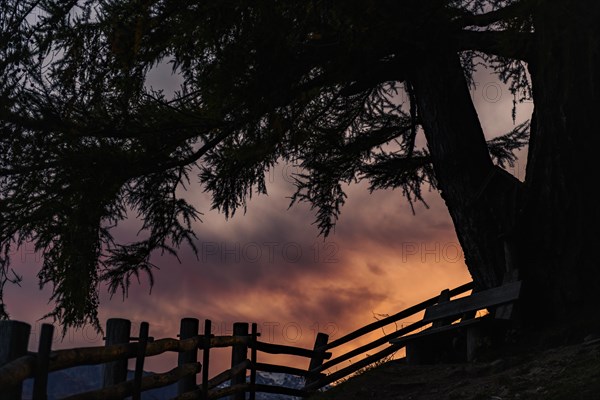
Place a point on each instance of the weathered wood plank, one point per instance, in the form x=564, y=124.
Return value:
x=139, y=362
x=477, y=301
x=241, y=388
x=40, y=382
x=443, y=298
x=118, y=331
x=432, y=331
x=352, y=368
x=153, y=381
x=206, y=356
x=232, y=390
x=284, y=349
x=239, y=353
x=253, y=360
x=61, y=359
x=188, y=329
x=214, y=382
x=265, y=367
x=317, y=360
x=281, y=390
x=369, y=346
x=227, y=375
x=507, y=311
x=396, y=317
x=24, y=367
x=401, y=341
x=227, y=341
x=17, y=371
x=14, y=338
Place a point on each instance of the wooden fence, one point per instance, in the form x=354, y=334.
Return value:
x=17, y=364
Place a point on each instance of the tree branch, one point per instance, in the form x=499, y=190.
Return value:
x=192, y=158
x=26, y=169
x=518, y=9
x=375, y=138
x=393, y=165
x=379, y=72
x=515, y=45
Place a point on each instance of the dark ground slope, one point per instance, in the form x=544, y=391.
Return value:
x=569, y=372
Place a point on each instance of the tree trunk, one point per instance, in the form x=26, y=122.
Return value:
x=480, y=197
x=559, y=230
x=553, y=220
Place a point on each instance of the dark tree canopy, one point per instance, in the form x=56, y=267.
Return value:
x=340, y=88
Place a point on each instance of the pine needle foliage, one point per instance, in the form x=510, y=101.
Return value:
x=85, y=143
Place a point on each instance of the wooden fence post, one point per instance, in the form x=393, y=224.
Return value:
x=187, y=329
x=318, y=358
x=239, y=354
x=40, y=383
x=14, y=338
x=206, y=357
x=444, y=297
x=139, y=361
x=118, y=331
x=253, y=360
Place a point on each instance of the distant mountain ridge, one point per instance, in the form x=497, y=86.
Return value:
x=89, y=377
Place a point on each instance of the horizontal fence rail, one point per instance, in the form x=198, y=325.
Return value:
x=290, y=350
x=18, y=364
x=125, y=389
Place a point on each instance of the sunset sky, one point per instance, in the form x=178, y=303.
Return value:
x=270, y=266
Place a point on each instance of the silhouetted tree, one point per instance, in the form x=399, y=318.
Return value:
x=341, y=88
